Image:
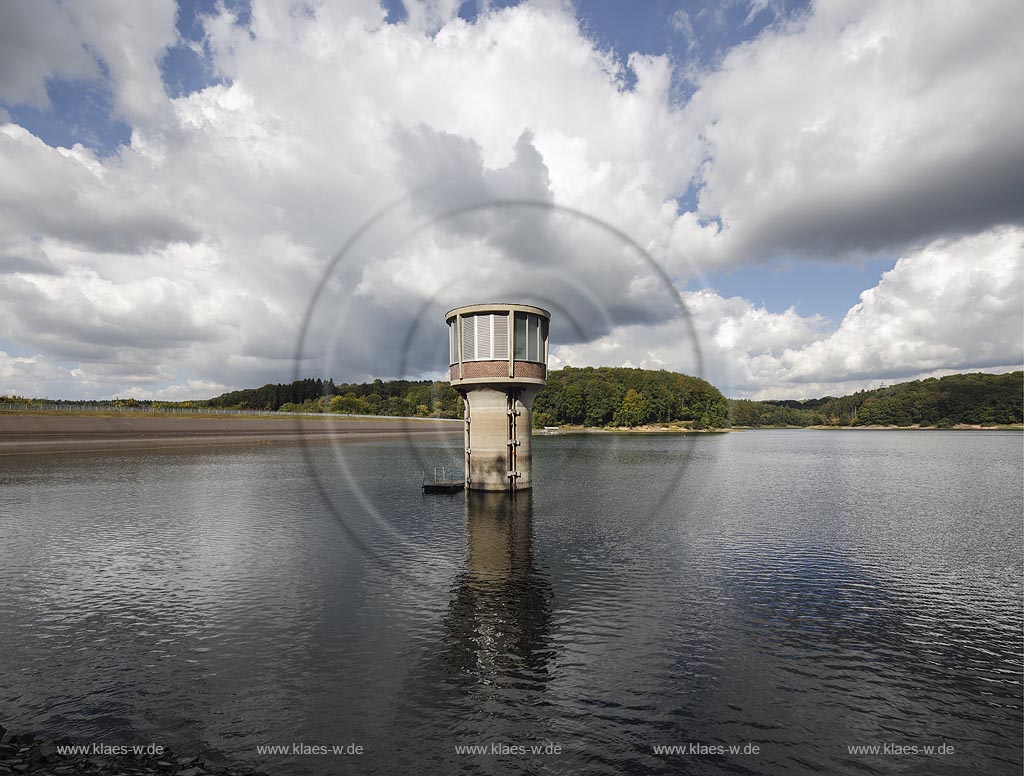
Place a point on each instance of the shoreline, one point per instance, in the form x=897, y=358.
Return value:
x=28, y=433
x=913, y=427
x=626, y=430
x=736, y=429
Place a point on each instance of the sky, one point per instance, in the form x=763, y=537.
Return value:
x=790, y=200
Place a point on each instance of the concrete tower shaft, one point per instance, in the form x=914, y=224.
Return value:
x=499, y=356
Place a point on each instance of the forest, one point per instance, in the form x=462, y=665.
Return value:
x=398, y=398
x=942, y=402
x=617, y=396
x=623, y=398
x=603, y=396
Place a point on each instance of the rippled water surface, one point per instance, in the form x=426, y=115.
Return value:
x=802, y=592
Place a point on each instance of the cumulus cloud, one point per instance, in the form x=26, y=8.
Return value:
x=69, y=194
x=954, y=305
x=33, y=376
x=23, y=255
x=859, y=128
x=188, y=257
x=39, y=41
x=191, y=389
x=120, y=39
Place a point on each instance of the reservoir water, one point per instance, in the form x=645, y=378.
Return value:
x=787, y=596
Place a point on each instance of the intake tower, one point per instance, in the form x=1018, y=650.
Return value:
x=499, y=358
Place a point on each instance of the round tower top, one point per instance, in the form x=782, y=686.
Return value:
x=498, y=343
x=496, y=307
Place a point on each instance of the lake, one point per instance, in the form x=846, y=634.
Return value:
x=765, y=602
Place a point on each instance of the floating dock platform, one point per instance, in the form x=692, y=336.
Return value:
x=444, y=486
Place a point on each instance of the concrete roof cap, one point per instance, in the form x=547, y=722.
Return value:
x=496, y=307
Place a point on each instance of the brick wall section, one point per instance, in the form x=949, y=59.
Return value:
x=474, y=369
x=530, y=369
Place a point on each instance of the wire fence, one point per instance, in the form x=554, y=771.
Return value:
x=144, y=410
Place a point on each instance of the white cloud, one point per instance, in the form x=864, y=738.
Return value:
x=37, y=41
x=429, y=16
x=681, y=22
x=70, y=194
x=130, y=38
x=32, y=376
x=46, y=39
x=21, y=254
x=954, y=305
x=859, y=128
x=188, y=257
x=192, y=389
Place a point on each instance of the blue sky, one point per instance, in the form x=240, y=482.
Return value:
x=836, y=188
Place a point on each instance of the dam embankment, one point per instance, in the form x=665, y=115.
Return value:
x=29, y=432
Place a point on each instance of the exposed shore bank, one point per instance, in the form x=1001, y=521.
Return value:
x=24, y=433
x=912, y=427
x=672, y=430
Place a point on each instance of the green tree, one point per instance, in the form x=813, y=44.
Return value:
x=632, y=411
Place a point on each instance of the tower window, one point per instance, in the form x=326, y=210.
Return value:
x=520, y=337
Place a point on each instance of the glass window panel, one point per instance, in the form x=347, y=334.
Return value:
x=532, y=353
x=543, y=340
x=519, y=340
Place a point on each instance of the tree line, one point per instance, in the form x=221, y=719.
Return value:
x=396, y=398
x=970, y=399
x=603, y=396
x=621, y=397
x=617, y=396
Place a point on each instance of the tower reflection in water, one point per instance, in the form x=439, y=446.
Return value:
x=500, y=614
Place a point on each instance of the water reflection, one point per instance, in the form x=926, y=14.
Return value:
x=499, y=618
x=806, y=592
